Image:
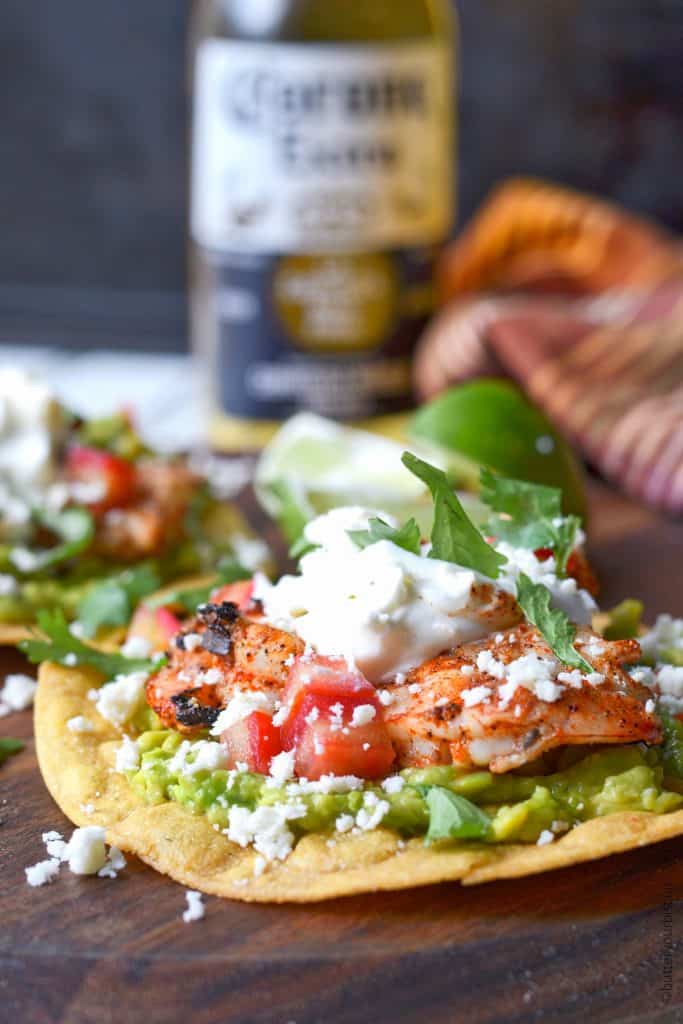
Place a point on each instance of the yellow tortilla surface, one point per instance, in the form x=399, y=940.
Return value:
x=77, y=769
x=12, y=632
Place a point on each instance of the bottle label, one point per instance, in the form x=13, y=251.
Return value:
x=325, y=148
x=332, y=333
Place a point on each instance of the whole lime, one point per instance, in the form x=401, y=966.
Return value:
x=490, y=422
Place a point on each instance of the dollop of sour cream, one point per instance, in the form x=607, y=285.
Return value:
x=383, y=609
x=30, y=425
x=29, y=420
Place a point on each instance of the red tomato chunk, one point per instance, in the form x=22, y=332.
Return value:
x=253, y=741
x=155, y=625
x=117, y=477
x=325, y=698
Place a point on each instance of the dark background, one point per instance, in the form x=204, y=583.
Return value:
x=92, y=147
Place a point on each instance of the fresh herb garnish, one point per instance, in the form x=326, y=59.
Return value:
x=75, y=529
x=672, y=748
x=557, y=631
x=113, y=601
x=451, y=816
x=302, y=547
x=564, y=541
x=64, y=648
x=293, y=512
x=529, y=516
x=189, y=598
x=196, y=512
x=454, y=537
x=9, y=746
x=407, y=537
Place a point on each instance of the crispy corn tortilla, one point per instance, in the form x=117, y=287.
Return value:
x=77, y=769
x=11, y=633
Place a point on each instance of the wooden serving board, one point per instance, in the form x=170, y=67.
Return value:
x=599, y=942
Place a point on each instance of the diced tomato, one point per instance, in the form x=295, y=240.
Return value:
x=116, y=476
x=322, y=695
x=578, y=567
x=155, y=625
x=254, y=741
x=543, y=554
x=239, y=593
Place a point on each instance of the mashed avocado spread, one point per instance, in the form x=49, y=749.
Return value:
x=507, y=807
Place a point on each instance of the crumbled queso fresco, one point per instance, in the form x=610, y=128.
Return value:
x=127, y=755
x=665, y=636
x=195, y=906
x=541, y=676
x=119, y=700
x=266, y=828
x=243, y=704
x=17, y=693
x=85, y=854
x=79, y=723
x=577, y=604
x=666, y=683
x=136, y=647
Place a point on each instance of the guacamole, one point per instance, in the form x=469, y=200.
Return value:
x=519, y=808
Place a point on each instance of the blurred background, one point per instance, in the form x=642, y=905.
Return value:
x=93, y=148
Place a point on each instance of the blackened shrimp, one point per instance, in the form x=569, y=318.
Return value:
x=502, y=702
x=218, y=654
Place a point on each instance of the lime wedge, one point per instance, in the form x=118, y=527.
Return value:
x=314, y=464
x=490, y=422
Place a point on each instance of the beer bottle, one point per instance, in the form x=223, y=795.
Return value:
x=321, y=190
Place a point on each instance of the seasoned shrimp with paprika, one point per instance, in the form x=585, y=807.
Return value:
x=500, y=703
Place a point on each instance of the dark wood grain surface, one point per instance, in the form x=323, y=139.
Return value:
x=600, y=942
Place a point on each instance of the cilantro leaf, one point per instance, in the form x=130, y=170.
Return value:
x=672, y=748
x=74, y=527
x=189, y=598
x=556, y=629
x=9, y=746
x=195, y=513
x=293, y=511
x=112, y=601
x=301, y=547
x=529, y=515
x=407, y=537
x=454, y=537
x=564, y=540
x=519, y=499
x=63, y=647
x=452, y=816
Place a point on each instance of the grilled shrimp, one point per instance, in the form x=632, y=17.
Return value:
x=481, y=704
x=218, y=654
x=153, y=518
x=492, y=607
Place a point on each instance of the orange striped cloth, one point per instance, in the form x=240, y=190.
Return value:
x=582, y=304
